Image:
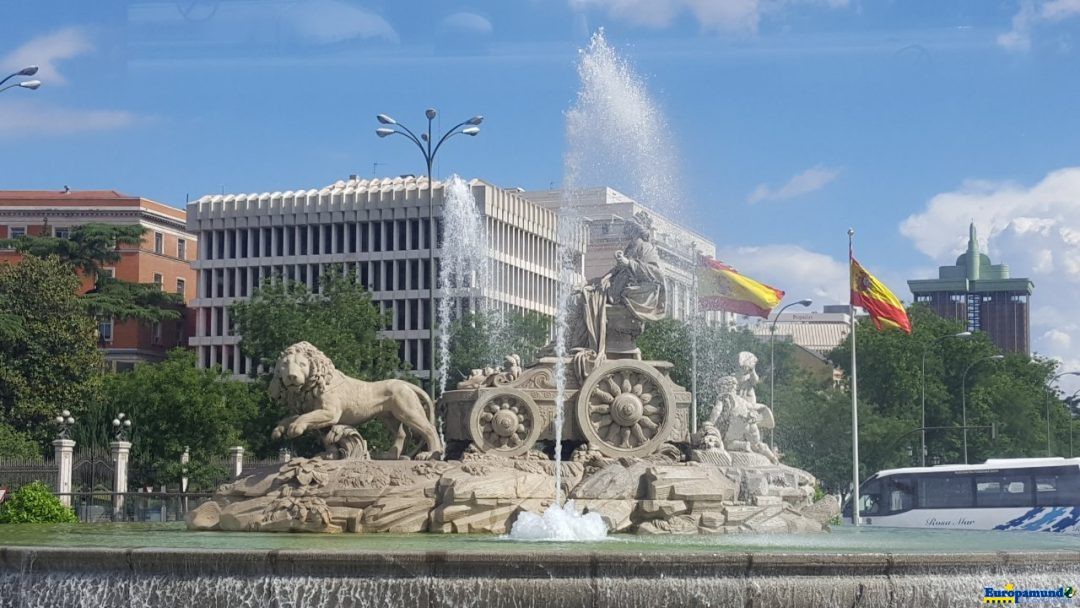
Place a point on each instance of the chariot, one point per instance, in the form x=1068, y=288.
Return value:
x=621, y=407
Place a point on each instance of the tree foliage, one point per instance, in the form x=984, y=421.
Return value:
x=87, y=248
x=35, y=503
x=340, y=319
x=51, y=362
x=124, y=300
x=479, y=340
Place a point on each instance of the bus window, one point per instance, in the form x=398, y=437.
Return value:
x=945, y=492
x=901, y=493
x=1057, y=490
x=1004, y=489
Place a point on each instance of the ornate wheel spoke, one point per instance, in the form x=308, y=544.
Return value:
x=505, y=422
x=624, y=408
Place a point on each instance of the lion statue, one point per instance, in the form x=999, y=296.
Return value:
x=306, y=381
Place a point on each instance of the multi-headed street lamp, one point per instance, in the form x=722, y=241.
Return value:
x=425, y=142
x=25, y=84
x=772, y=361
x=963, y=396
x=963, y=334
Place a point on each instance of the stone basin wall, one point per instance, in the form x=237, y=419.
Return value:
x=485, y=494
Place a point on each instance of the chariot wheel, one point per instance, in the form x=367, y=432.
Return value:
x=626, y=408
x=505, y=421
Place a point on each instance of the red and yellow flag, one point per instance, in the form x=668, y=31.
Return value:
x=721, y=287
x=875, y=298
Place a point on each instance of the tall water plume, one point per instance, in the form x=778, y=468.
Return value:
x=463, y=265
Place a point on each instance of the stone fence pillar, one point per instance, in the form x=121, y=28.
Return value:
x=120, y=452
x=236, y=455
x=64, y=450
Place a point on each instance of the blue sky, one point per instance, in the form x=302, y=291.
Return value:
x=792, y=119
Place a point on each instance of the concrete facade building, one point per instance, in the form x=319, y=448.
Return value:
x=164, y=257
x=605, y=211
x=983, y=296
x=376, y=229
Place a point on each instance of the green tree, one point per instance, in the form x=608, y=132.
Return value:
x=51, y=362
x=340, y=319
x=35, y=503
x=87, y=248
x=124, y=300
x=174, y=404
x=478, y=340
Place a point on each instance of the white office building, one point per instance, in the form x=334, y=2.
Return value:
x=377, y=229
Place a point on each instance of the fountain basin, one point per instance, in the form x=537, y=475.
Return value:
x=123, y=565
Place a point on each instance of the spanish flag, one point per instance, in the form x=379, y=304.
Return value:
x=721, y=287
x=875, y=298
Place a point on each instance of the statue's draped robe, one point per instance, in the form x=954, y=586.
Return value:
x=638, y=286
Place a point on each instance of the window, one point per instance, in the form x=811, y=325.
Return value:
x=159, y=279
x=108, y=272
x=16, y=231
x=105, y=331
x=946, y=492
x=159, y=242
x=155, y=334
x=1004, y=489
x=181, y=249
x=61, y=233
x=181, y=287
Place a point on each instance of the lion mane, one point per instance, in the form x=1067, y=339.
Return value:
x=319, y=378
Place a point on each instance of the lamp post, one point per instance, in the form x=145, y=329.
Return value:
x=121, y=426
x=963, y=396
x=424, y=143
x=926, y=349
x=26, y=84
x=772, y=362
x=1049, y=389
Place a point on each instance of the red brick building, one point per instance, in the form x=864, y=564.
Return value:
x=164, y=257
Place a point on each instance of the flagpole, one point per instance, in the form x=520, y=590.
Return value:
x=855, y=515
x=693, y=346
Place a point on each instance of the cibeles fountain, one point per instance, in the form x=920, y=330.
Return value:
x=634, y=463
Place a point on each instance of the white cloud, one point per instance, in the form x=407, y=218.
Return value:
x=808, y=181
x=45, y=51
x=1034, y=229
x=468, y=23
x=18, y=118
x=330, y=21
x=799, y=272
x=1033, y=13
x=731, y=16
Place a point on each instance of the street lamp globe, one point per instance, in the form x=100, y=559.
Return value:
x=383, y=132
x=30, y=84
x=471, y=130
x=29, y=70
x=386, y=120
x=475, y=120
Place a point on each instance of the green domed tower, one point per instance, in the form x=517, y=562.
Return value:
x=982, y=295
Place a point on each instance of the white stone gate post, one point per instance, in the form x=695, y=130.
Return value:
x=236, y=454
x=120, y=452
x=64, y=450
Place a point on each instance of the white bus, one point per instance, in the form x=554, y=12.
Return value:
x=1032, y=494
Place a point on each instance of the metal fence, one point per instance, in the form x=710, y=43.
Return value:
x=18, y=472
x=96, y=507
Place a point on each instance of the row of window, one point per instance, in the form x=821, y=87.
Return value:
x=415, y=353
x=1015, y=488
x=106, y=333
x=159, y=280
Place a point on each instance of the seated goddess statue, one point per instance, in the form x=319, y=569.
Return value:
x=635, y=284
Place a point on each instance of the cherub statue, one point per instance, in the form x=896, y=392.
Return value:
x=741, y=420
x=748, y=376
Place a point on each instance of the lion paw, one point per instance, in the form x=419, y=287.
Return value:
x=277, y=433
x=296, y=429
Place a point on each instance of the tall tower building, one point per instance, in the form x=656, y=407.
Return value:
x=983, y=296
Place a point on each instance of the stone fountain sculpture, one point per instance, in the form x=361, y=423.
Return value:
x=634, y=462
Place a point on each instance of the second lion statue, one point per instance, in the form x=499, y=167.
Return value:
x=306, y=381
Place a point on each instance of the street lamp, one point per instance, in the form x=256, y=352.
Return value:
x=469, y=127
x=963, y=334
x=772, y=362
x=1049, y=388
x=121, y=426
x=26, y=84
x=963, y=396
x=65, y=421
